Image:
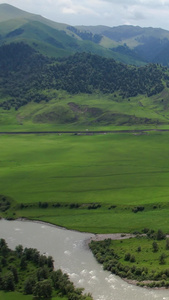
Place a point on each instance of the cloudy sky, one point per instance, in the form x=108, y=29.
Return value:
x=144, y=13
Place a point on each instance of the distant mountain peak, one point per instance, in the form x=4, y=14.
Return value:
x=126, y=43
x=10, y=8
x=8, y=12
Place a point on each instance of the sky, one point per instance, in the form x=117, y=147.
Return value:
x=144, y=13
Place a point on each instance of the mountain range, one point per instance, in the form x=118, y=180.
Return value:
x=57, y=74
x=127, y=44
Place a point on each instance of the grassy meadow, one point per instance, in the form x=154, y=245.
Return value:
x=90, y=183
x=19, y=296
x=14, y=296
x=146, y=257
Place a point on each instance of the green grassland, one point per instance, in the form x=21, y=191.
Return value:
x=90, y=182
x=19, y=296
x=14, y=296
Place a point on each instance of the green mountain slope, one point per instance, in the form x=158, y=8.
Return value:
x=139, y=40
x=81, y=90
x=128, y=44
x=50, y=38
x=8, y=12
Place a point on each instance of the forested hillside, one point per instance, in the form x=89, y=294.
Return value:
x=24, y=73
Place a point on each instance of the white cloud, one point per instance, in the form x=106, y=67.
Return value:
x=100, y=12
x=77, y=9
x=68, y=10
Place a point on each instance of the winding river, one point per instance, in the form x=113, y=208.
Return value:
x=71, y=254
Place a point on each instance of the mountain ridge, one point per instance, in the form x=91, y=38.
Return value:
x=12, y=18
x=47, y=35
x=126, y=43
x=138, y=39
x=87, y=85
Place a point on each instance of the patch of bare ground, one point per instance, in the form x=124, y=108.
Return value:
x=112, y=236
x=144, y=283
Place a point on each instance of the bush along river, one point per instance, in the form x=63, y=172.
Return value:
x=71, y=253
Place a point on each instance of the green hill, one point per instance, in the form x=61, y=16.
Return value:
x=79, y=90
x=85, y=86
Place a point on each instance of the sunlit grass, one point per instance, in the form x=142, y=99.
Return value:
x=121, y=170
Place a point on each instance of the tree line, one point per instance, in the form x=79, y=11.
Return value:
x=86, y=35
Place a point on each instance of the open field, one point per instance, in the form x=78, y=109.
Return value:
x=19, y=296
x=89, y=183
x=14, y=296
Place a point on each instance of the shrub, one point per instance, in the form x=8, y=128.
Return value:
x=138, y=209
x=167, y=244
x=139, y=249
x=160, y=235
x=8, y=282
x=132, y=258
x=138, y=271
x=155, y=246
x=127, y=256
x=162, y=259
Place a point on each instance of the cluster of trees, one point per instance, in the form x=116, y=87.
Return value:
x=159, y=235
x=31, y=273
x=137, y=209
x=86, y=73
x=124, y=49
x=106, y=255
x=24, y=74
x=21, y=72
x=86, y=35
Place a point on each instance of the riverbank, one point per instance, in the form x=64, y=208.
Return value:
x=144, y=284
x=94, y=237
x=101, y=237
x=112, y=236
x=141, y=260
x=71, y=255
x=148, y=284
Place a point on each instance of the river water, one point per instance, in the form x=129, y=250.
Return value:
x=71, y=254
